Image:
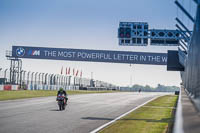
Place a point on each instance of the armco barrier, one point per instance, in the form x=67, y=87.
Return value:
x=15, y=87
x=38, y=87
x=29, y=87
x=7, y=87
x=1, y=87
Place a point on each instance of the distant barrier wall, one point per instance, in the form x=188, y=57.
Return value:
x=37, y=87
x=50, y=87
x=9, y=87
x=1, y=87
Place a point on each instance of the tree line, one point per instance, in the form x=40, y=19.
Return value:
x=147, y=88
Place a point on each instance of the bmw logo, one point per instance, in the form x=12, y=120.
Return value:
x=20, y=52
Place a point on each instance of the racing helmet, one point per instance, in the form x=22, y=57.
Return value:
x=61, y=89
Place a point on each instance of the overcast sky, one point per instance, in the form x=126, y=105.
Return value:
x=88, y=24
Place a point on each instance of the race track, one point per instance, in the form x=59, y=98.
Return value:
x=83, y=114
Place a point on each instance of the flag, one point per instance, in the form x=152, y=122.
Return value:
x=68, y=71
x=77, y=73
x=61, y=71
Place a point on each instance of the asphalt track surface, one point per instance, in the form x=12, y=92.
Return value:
x=83, y=114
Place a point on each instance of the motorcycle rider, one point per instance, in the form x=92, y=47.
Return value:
x=62, y=91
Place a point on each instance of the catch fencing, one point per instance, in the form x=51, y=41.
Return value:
x=28, y=80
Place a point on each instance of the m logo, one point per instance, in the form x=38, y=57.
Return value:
x=34, y=52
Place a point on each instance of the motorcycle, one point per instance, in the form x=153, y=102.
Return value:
x=61, y=101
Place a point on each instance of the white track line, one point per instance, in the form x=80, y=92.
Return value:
x=103, y=126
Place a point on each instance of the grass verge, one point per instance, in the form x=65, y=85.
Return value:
x=11, y=95
x=154, y=117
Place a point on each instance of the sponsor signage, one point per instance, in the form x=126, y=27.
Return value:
x=89, y=55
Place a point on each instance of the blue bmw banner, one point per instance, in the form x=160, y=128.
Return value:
x=89, y=55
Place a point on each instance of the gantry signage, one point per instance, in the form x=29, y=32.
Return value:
x=89, y=55
x=139, y=34
x=133, y=33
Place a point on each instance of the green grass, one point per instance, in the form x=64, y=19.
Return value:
x=154, y=117
x=11, y=95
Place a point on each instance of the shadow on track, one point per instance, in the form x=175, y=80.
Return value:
x=54, y=110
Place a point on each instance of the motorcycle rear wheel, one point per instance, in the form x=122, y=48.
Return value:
x=60, y=107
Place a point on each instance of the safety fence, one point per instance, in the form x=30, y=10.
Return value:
x=28, y=80
x=188, y=21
